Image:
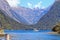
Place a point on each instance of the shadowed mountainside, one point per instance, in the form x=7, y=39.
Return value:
x=46, y=22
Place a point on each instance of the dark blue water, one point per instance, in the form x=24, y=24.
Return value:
x=25, y=31
x=32, y=35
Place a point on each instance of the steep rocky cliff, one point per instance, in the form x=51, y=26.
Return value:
x=46, y=22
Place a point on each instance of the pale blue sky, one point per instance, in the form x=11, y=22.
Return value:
x=31, y=3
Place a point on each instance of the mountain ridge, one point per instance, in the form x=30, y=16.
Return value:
x=46, y=22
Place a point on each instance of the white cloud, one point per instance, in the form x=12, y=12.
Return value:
x=38, y=5
x=13, y=3
x=29, y=5
x=43, y=7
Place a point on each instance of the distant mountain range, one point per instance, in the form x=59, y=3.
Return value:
x=46, y=22
x=28, y=16
x=21, y=14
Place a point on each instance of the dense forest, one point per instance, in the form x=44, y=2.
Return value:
x=3, y=22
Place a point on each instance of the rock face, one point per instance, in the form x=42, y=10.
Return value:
x=51, y=18
x=24, y=15
x=4, y=7
x=56, y=28
x=46, y=22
